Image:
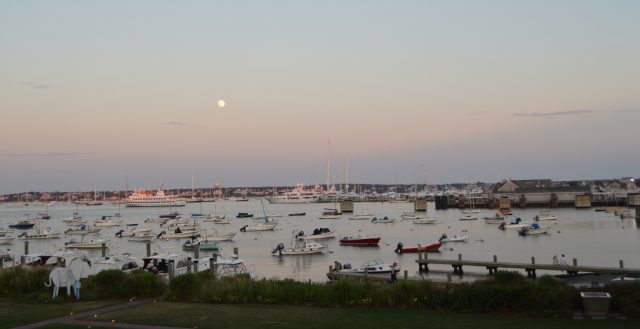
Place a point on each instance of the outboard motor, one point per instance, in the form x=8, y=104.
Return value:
x=119, y=233
x=244, y=228
x=502, y=226
x=301, y=233
x=346, y=266
x=278, y=249
x=325, y=230
x=444, y=236
x=316, y=231
x=161, y=234
x=178, y=230
x=399, y=248
x=23, y=234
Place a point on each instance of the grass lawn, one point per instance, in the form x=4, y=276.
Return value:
x=205, y=316
x=13, y=313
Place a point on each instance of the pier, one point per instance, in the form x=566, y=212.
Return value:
x=423, y=266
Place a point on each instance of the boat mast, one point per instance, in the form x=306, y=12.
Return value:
x=328, y=163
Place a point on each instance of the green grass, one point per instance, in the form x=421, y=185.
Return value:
x=15, y=313
x=202, y=316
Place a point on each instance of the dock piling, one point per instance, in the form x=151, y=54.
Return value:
x=533, y=260
x=189, y=263
x=406, y=274
x=449, y=277
x=26, y=247
x=104, y=249
x=172, y=269
x=495, y=258
x=460, y=257
x=148, y=249
x=235, y=252
x=621, y=264
x=575, y=262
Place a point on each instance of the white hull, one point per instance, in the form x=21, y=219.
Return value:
x=259, y=227
x=330, y=217
x=362, y=217
x=383, y=221
x=220, y=237
x=302, y=251
x=425, y=221
x=81, y=232
x=6, y=239
x=469, y=217
x=471, y=211
x=456, y=239
x=87, y=245
x=176, y=235
x=142, y=238
x=155, y=205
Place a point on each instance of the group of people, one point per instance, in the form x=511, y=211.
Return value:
x=562, y=261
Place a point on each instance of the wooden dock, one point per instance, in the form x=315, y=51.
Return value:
x=457, y=264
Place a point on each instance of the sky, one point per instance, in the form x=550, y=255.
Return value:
x=99, y=95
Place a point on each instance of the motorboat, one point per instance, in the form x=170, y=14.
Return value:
x=218, y=220
x=170, y=215
x=203, y=244
x=456, y=238
x=471, y=211
x=244, y=215
x=142, y=237
x=506, y=212
x=202, y=216
x=220, y=236
x=94, y=243
x=73, y=218
x=400, y=249
x=517, y=223
x=375, y=266
x=82, y=230
x=362, y=217
x=469, y=217
x=360, y=240
x=304, y=247
x=331, y=213
x=177, y=234
x=107, y=221
x=410, y=216
x=384, y=220
x=41, y=234
x=297, y=214
x=22, y=225
x=425, y=221
x=318, y=234
x=534, y=229
x=131, y=230
x=7, y=239
x=77, y=223
x=544, y=216
x=258, y=227
x=497, y=219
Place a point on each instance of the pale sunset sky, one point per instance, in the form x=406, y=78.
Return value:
x=100, y=93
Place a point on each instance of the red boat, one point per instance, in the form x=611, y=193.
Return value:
x=359, y=241
x=506, y=212
x=430, y=248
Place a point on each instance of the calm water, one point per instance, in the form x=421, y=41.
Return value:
x=594, y=238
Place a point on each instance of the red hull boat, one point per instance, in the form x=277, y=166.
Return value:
x=430, y=248
x=359, y=241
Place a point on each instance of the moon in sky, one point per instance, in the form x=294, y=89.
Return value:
x=221, y=103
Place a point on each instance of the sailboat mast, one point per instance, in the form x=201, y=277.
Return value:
x=328, y=163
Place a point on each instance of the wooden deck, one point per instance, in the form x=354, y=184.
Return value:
x=457, y=264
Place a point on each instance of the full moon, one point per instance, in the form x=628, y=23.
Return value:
x=221, y=103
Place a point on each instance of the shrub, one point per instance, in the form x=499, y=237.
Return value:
x=23, y=282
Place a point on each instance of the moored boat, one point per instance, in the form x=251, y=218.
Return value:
x=360, y=240
x=400, y=249
x=318, y=234
x=374, y=266
x=456, y=238
x=82, y=230
x=22, y=225
x=425, y=221
x=383, y=220
x=517, y=223
x=304, y=247
x=534, y=229
x=258, y=227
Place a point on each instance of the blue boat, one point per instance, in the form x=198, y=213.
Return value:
x=23, y=225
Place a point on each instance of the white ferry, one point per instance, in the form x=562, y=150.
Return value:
x=298, y=195
x=142, y=198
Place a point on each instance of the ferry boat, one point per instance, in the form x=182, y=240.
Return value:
x=298, y=195
x=142, y=198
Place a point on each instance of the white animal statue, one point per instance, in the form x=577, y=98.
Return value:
x=66, y=276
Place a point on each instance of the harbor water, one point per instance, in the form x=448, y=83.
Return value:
x=593, y=238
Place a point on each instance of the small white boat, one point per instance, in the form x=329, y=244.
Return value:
x=411, y=216
x=497, y=219
x=74, y=218
x=82, y=230
x=218, y=220
x=330, y=213
x=142, y=237
x=455, y=238
x=361, y=216
x=425, y=221
x=41, y=234
x=534, y=229
x=471, y=211
x=77, y=223
x=132, y=230
x=95, y=243
x=517, y=223
x=304, y=247
x=219, y=236
x=176, y=235
x=6, y=239
x=371, y=267
x=544, y=216
x=318, y=234
x=107, y=221
x=383, y=220
x=469, y=217
x=258, y=227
